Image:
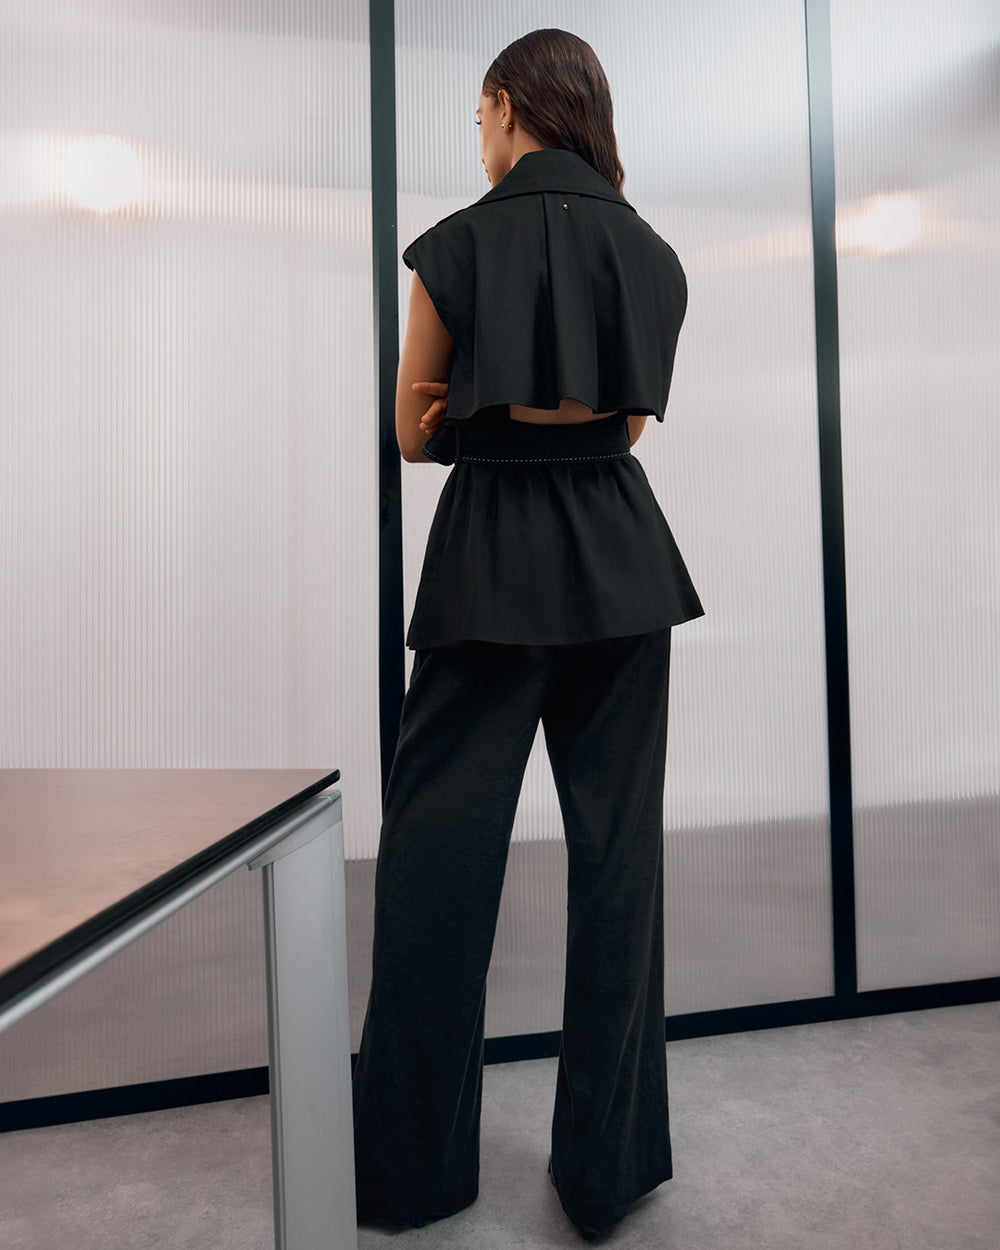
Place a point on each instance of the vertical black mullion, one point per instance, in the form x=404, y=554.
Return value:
x=382, y=44
x=820, y=72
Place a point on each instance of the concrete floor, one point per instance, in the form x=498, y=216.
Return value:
x=881, y=1132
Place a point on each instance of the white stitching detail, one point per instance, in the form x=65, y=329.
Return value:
x=614, y=455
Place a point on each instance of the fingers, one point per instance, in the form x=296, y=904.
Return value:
x=434, y=415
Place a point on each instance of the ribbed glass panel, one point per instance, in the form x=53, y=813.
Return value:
x=188, y=474
x=917, y=131
x=188, y=457
x=712, y=117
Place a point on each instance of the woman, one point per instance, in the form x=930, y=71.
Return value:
x=546, y=315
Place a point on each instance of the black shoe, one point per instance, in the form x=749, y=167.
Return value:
x=585, y=1231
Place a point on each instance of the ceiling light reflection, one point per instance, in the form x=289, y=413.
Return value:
x=102, y=173
x=892, y=223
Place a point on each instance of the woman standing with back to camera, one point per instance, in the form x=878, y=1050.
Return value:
x=545, y=316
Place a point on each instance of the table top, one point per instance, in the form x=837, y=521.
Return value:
x=83, y=850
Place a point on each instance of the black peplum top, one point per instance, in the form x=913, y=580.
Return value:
x=551, y=287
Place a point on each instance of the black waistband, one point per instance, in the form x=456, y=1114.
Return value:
x=491, y=437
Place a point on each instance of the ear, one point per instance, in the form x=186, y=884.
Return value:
x=504, y=101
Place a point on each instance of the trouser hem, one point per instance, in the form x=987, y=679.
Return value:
x=413, y=1218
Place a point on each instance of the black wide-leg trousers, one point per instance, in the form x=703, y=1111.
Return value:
x=469, y=720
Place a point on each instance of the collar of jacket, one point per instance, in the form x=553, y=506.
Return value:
x=553, y=169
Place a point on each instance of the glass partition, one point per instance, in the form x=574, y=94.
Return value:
x=188, y=449
x=712, y=118
x=188, y=458
x=916, y=116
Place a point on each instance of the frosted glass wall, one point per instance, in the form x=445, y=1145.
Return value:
x=188, y=481
x=712, y=116
x=917, y=131
x=189, y=486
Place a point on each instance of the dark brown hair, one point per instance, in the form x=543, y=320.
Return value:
x=561, y=96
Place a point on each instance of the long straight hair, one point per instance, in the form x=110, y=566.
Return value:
x=561, y=96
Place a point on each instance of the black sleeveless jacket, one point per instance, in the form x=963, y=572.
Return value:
x=551, y=287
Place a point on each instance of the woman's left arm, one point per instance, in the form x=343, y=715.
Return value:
x=426, y=353
x=636, y=425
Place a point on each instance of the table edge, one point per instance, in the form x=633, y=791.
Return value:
x=48, y=959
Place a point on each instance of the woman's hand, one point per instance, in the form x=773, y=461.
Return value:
x=435, y=415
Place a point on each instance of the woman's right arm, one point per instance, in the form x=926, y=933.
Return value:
x=425, y=356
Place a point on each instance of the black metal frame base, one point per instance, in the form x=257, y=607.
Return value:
x=251, y=1082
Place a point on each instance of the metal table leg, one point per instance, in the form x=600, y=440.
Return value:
x=309, y=1043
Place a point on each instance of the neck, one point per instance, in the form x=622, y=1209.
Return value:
x=523, y=142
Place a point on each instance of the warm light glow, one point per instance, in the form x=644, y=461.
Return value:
x=102, y=173
x=892, y=223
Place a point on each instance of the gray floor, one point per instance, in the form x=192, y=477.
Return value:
x=883, y=1132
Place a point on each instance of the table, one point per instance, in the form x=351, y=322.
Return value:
x=93, y=858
